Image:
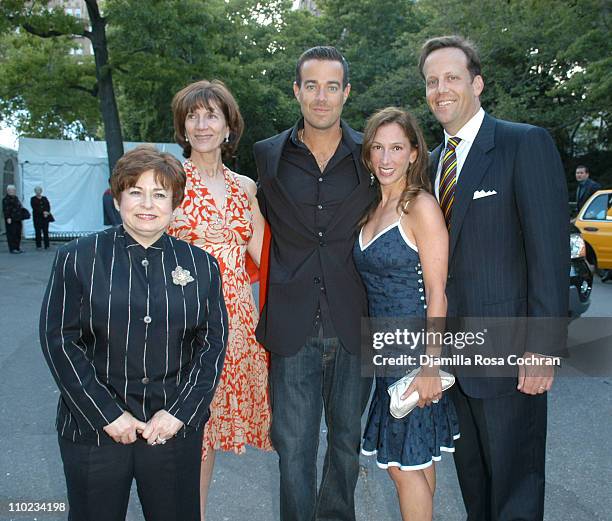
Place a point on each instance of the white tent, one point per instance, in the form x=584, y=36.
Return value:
x=74, y=176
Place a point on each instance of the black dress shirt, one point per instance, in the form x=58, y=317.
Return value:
x=313, y=218
x=319, y=194
x=120, y=334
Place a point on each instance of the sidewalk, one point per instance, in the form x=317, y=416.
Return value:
x=246, y=487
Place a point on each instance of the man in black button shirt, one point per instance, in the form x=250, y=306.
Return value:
x=313, y=191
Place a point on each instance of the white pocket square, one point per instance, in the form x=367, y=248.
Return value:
x=479, y=194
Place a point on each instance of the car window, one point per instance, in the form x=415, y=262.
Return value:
x=599, y=209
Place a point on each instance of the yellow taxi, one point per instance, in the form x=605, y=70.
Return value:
x=595, y=223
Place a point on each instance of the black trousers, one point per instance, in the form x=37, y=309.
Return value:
x=500, y=457
x=13, y=235
x=167, y=476
x=41, y=229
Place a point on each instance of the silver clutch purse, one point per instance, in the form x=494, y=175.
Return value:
x=400, y=408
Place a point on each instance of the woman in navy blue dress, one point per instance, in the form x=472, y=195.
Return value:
x=402, y=256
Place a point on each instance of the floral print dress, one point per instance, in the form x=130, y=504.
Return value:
x=240, y=410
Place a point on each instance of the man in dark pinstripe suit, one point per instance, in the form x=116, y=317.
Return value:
x=508, y=257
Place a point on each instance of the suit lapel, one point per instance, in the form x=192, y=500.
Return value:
x=434, y=160
x=275, y=151
x=472, y=172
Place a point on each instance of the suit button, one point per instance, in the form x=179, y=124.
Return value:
x=147, y=319
x=323, y=289
x=320, y=179
x=320, y=206
x=320, y=234
x=145, y=262
x=317, y=280
x=322, y=243
x=145, y=380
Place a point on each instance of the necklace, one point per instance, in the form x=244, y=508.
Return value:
x=321, y=163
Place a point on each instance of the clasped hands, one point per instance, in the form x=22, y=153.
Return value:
x=156, y=431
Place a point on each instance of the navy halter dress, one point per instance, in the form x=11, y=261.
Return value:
x=391, y=271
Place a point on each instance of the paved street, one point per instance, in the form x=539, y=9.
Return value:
x=245, y=488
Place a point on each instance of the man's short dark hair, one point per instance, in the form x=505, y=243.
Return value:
x=322, y=52
x=458, y=42
x=584, y=167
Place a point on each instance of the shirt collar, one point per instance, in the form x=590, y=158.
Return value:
x=294, y=136
x=346, y=135
x=134, y=245
x=468, y=132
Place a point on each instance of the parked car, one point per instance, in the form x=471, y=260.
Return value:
x=581, y=278
x=595, y=223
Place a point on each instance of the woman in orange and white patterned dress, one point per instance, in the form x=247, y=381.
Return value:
x=220, y=214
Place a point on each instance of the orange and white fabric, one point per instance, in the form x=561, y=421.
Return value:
x=240, y=410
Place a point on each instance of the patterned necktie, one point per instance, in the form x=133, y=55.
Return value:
x=448, y=180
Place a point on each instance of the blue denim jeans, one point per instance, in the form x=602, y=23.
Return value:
x=322, y=376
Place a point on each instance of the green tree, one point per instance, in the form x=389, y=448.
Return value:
x=44, y=91
x=544, y=62
x=36, y=18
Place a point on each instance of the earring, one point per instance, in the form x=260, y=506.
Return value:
x=186, y=139
x=226, y=140
x=372, y=179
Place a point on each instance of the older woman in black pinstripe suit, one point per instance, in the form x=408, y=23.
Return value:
x=133, y=327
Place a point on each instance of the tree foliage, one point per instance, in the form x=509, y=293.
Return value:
x=546, y=62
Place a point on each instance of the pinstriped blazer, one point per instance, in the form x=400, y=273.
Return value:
x=119, y=334
x=509, y=253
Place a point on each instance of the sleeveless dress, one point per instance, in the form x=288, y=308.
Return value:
x=240, y=410
x=391, y=271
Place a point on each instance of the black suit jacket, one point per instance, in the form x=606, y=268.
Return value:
x=582, y=195
x=38, y=207
x=509, y=252
x=293, y=296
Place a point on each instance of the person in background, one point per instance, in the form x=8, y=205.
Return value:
x=13, y=216
x=133, y=327
x=586, y=186
x=111, y=214
x=41, y=215
x=220, y=214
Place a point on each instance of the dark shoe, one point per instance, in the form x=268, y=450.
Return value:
x=606, y=276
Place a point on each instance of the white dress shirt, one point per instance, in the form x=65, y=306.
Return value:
x=467, y=133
